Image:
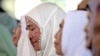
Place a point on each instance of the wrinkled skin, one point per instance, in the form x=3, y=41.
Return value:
x=34, y=34
x=58, y=38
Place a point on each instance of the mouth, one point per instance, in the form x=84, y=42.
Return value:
x=36, y=46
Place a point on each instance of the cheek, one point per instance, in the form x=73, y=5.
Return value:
x=18, y=32
x=59, y=38
x=17, y=36
x=37, y=31
x=96, y=42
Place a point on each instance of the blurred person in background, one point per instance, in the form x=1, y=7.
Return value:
x=94, y=26
x=7, y=47
x=7, y=24
x=6, y=20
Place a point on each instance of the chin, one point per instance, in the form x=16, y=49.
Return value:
x=58, y=52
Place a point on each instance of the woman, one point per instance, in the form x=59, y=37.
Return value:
x=72, y=40
x=42, y=23
x=94, y=25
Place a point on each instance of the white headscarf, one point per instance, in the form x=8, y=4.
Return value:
x=48, y=16
x=73, y=38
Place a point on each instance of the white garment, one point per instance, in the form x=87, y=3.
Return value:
x=73, y=38
x=48, y=16
x=82, y=50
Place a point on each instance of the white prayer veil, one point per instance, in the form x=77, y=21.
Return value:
x=48, y=16
x=73, y=37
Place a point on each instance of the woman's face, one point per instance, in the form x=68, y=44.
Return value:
x=96, y=38
x=93, y=33
x=58, y=38
x=34, y=34
x=17, y=33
